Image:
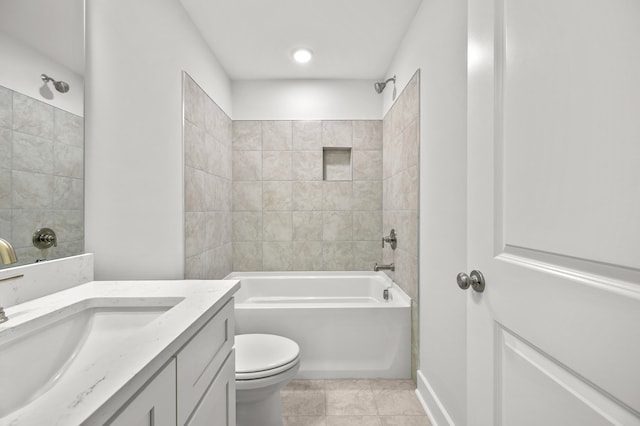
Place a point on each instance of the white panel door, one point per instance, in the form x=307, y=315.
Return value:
x=554, y=212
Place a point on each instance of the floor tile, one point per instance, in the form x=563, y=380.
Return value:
x=392, y=384
x=398, y=403
x=305, y=421
x=353, y=421
x=405, y=421
x=347, y=384
x=303, y=402
x=350, y=403
x=305, y=385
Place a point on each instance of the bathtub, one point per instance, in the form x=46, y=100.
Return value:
x=341, y=321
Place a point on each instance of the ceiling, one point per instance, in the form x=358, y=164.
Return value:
x=252, y=39
x=55, y=28
x=350, y=39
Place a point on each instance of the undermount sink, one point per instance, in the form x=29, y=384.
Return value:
x=61, y=343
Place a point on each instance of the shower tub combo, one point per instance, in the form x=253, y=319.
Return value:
x=345, y=326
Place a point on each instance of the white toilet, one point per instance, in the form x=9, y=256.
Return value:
x=264, y=364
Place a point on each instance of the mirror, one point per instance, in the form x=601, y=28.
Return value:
x=42, y=126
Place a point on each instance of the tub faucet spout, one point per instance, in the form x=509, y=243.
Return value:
x=389, y=267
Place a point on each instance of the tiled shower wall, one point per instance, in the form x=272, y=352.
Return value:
x=41, y=176
x=400, y=194
x=286, y=216
x=207, y=185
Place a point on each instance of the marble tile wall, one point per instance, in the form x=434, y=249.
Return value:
x=285, y=216
x=400, y=200
x=41, y=176
x=207, y=185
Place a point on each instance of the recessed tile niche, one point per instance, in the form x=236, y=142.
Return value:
x=336, y=164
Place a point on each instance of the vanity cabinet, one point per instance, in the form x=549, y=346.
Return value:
x=197, y=387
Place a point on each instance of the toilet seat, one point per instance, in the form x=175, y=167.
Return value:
x=267, y=373
x=264, y=355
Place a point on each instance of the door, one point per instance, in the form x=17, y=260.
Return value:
x=554, y=212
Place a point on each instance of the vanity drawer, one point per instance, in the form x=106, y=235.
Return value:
x=199, y=361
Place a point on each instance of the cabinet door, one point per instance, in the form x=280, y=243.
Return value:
x=199, y=361
x=155, y=405
x=218, y=405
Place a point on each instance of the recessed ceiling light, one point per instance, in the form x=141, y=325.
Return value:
x=302, y=56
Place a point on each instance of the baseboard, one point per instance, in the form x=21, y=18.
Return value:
x=435, y=410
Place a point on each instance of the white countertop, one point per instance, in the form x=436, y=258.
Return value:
x=109, y=382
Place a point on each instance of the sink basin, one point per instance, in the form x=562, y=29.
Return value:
x=61, y=343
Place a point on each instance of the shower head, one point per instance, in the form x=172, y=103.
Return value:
x=60, y=86
x=379, y=86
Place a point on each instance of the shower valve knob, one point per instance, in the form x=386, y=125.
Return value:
x=392, y=239
x=44, y=238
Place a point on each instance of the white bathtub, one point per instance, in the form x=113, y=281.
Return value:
x=343, y=325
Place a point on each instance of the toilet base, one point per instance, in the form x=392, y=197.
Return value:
x=263, y=410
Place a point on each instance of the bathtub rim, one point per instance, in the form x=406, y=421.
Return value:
x=235, y=274
x=400, y=298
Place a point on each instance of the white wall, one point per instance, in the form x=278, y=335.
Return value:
x=136, y=52
x=436, y=43
x=305, y=100
x=21, y=69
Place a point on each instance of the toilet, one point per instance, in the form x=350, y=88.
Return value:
x=264, y=364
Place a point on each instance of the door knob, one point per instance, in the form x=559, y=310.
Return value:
x=475, y=280
x=463, y=280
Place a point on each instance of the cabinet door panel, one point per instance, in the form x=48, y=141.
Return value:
x=155, y=405
x=218, y=406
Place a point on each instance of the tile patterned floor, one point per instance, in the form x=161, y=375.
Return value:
x=352, y=403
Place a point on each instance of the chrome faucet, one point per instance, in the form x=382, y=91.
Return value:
x=389, y=267
x=7, y=253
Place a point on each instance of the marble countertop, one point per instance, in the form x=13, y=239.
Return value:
x=108, y=383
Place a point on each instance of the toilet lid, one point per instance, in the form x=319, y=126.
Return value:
x=261, y=352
